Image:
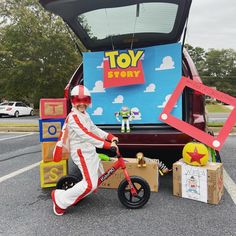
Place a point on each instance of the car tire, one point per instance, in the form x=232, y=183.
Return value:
x=16, y=114
x=32, y=113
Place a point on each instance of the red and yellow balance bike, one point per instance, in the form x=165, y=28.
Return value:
x=133, y=191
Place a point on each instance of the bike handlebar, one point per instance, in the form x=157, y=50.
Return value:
x=114, y=149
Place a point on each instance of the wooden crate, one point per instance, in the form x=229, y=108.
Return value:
x=51, y=172
x=53, y=108
x=149, y=173
x=50, y=129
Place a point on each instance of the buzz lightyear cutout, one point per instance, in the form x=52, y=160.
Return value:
x=126, y=116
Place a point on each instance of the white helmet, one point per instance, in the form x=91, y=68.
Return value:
x=80, y=95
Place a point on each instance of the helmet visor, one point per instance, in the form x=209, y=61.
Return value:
x=86, y=100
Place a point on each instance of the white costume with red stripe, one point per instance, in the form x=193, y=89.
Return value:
x=84, y=137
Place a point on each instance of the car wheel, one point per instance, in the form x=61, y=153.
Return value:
x=32, y=113
x=16, y=114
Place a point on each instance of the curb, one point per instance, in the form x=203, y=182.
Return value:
x=19, y=129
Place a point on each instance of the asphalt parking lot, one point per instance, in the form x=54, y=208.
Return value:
x=26, y=209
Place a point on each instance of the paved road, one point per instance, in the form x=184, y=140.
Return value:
x=26, y=209
x=22, y=119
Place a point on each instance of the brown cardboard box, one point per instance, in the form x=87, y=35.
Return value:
x=149, y=173
x=198, y=183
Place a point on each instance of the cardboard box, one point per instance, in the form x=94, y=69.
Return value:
x=149, y=173
x=47, y=152
x=53, y=108
x=49, y=130
x=51, y=172
x=203, y=184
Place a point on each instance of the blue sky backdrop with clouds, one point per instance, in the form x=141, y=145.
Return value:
x=162, y=72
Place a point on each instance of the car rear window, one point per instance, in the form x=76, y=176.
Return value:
x=7, y=104
x=141, y=18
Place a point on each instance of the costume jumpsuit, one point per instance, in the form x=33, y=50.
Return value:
x=84, y=137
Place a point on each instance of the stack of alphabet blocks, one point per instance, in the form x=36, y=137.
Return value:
x=52, y=116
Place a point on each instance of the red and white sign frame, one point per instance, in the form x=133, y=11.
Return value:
x=214, y=142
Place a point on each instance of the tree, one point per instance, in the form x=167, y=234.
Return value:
x=220, y=63
x=198, y=56
x=37, y=56
x=217, y=68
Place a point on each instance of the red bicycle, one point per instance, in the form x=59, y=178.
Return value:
x=133, y=191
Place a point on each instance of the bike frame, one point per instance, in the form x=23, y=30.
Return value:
x=120, y=163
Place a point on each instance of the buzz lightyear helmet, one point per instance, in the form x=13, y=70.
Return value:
x=124, y=108
x=80, y=95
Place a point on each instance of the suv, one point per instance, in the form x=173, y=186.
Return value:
x=104, y=25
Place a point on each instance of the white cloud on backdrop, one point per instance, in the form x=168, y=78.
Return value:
x=118, y=99
x=98, y=88
x=150, y=88
x=98, y=111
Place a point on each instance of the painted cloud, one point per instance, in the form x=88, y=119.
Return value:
x=166, y=100
x=100, y=66
x=118, y=99
x=150, y=88
x=98, y=88
x=98, y=111
x=167, y=64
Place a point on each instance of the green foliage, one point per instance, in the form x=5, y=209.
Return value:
x=217, y=68
x=37, y=56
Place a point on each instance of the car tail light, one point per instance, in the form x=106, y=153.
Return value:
x=9, y=109
x=197, y=93
x=66, y=91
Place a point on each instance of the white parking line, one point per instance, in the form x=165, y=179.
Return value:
x=230, y=186
x=20, y=171
x=19, y=136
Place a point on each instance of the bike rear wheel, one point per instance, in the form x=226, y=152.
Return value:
x=127, y=199
x=66, y=182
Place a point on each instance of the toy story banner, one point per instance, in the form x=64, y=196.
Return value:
x=162, y=70
x=123, y=68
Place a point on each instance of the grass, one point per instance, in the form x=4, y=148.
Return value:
x=217, y=108
x=17, y=125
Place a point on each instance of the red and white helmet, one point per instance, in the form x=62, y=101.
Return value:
x=80, y=95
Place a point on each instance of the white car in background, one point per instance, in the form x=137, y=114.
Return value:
x=16, y=109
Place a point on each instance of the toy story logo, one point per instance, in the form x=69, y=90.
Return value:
x=123, y=68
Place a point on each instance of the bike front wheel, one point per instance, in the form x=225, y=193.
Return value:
x=143, y=192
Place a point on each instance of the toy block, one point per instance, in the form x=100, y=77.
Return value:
x=50, y=129
x=51, y=172
x=53, y=108
x=47, y=152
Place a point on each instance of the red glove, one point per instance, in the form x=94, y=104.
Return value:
x=57, y=154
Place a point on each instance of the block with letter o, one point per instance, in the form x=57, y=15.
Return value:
x=50, y=129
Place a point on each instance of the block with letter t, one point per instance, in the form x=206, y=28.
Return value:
x=51, y=108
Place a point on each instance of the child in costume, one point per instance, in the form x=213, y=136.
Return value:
x=81, y=136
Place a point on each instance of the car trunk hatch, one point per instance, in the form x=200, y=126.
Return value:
x=112, y=24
